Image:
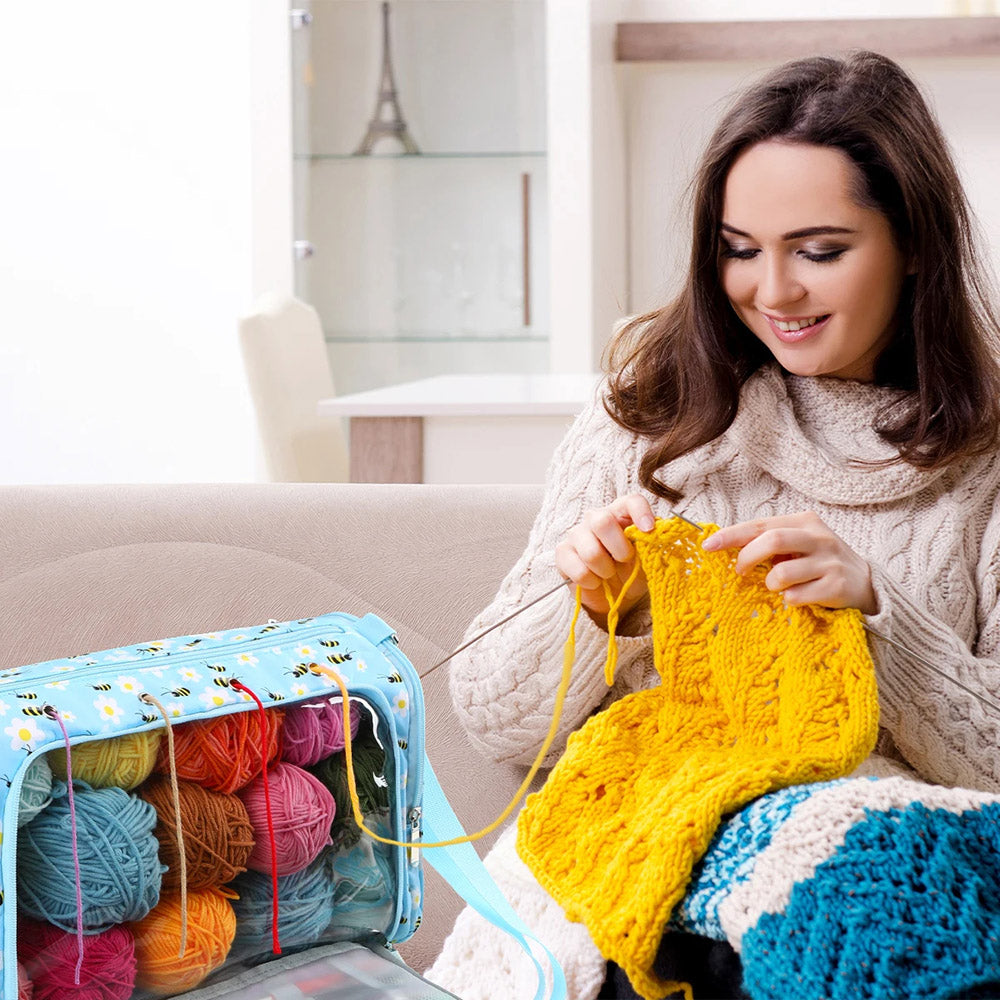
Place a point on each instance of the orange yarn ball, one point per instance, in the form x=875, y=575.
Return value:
x=222, y=754
x=123, y=761
x=218, y=835
x=211, y=928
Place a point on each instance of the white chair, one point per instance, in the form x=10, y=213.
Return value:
x=288, y=371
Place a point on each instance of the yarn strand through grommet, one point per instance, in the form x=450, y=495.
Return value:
x=52, y=713
x=569, y=656
x=264, y=741
x=178, y=823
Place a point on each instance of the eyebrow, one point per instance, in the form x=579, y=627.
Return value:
x=797, y=234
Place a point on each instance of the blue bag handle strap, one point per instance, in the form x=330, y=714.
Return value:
x=461, y=867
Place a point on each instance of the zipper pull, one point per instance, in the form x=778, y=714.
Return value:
x=414, y=849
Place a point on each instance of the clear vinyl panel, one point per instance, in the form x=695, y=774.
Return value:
x=421, y=201
x=269, y=867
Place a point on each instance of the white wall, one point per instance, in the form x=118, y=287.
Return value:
x=129, y=158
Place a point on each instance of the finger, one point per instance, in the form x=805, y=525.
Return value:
x=793, y=573
x=735, y=536
x=814, y=592
x=639, y=512
x=608, y=531
x=773, y=544
x=575, y=570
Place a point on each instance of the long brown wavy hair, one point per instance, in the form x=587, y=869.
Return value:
x=676, y=373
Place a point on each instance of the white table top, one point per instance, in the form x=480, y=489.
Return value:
x=469, y=395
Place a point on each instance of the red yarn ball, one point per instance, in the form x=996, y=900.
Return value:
x=50, y=956
x=302, y=809
x=222, y=754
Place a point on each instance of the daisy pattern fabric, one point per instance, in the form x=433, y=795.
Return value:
x=878, y=888
x=753, y=697
x=225, y=695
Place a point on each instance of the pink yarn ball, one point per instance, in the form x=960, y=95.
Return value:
x=302, y=809
x=50, y=956
x=25, y=991
x=315, y=730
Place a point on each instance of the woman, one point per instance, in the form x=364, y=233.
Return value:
x=825, y=388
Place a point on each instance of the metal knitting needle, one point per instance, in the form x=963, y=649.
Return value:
x=933, y=668
x=503, y=621
x=917, y=657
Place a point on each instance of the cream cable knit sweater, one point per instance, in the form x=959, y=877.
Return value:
x=932, y=539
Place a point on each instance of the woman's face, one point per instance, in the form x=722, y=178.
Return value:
x=815, y=276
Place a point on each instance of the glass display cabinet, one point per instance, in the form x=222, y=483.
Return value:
x=420, y=185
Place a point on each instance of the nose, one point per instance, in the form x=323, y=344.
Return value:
x=778, y=285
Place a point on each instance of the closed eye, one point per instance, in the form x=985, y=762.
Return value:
x=738, y=253
x=748, y=253
x=825, y=257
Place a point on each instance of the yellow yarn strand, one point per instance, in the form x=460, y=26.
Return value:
x=569, y=655
x=613, y=605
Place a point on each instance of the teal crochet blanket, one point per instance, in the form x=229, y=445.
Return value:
x=857, y=888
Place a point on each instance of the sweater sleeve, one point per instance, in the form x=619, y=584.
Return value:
x=936, y=716
x=504, y=686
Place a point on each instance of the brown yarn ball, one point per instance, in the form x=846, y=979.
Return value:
x=218, y=835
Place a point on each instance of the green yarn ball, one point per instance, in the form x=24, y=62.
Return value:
x=369, y=776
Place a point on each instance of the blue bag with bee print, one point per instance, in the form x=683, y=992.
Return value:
x=181, y=818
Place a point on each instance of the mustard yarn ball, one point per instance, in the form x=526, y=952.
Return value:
x=123, y=761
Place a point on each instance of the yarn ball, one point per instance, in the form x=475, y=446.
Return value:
x=50, y=956
x=211, y=927
x=315, y=730
x=305, y=905
x=123, y=761
x=36, y=790
x=369, y=777
x=302, y=809
x=25, y=989
x=218, y=837
x=223, y=753
x=120, y=868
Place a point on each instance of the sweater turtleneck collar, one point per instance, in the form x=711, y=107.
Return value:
x=815, y=433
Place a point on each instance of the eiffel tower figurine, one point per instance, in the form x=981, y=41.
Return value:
x=394, y=125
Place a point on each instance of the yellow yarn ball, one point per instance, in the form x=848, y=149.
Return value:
x=125, y=761
x=211, y=929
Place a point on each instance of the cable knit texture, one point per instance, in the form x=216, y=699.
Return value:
x=753, y=696
x=932, y=540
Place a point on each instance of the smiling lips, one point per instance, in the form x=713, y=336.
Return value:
x=794, y=331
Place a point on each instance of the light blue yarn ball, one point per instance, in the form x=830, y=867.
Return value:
x=36, y=790
x=120, y=868
x=305, y=905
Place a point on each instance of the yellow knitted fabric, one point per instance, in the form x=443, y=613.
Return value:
x=754, y=696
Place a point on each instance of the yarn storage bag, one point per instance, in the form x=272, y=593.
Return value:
x=178, y=812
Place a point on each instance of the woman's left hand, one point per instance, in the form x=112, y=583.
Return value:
x=811, y=564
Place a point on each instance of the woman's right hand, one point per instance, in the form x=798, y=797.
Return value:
x=596, y=550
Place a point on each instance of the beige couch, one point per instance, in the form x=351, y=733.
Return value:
x=84, y=568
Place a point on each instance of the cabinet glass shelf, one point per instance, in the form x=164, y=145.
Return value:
x=401, y=337
x=417, y=157
x=434, y=261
